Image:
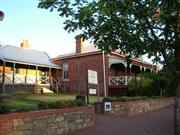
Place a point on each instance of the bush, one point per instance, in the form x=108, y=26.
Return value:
x=24, y=109
x=109, y=99
x=132, y=90
x=4, y=109
x=153, y=85
x=124, y=99
x=62, y=104
x=2, y=97
x=80, y=103
x=157, y=97
x=43, y=105
x=57, y=104
x=81, y=98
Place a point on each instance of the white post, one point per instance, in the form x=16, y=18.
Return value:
x=104, y=74
x=126, y=82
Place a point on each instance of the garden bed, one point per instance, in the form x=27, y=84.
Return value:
x=131, y=108
x=22, y=102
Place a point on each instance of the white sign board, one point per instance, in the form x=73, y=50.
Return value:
x=107, y=106
x=92, y=77
x=92, y=91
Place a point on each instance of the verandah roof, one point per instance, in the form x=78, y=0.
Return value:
x=25, y=56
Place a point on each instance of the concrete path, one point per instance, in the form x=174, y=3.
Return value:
x=158, y=122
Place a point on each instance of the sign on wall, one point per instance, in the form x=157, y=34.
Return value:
x=92, y=91
x=92, y=77
x=107, y=106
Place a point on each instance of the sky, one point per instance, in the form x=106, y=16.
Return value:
x=42, y=28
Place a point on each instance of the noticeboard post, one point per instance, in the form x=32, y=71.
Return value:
x=92, y=79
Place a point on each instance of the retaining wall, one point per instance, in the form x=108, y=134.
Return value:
x=134, y=107
x=47, y=122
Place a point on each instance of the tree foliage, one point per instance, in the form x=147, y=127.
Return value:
x=136, y=27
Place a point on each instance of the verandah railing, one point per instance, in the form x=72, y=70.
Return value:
x=28, y=79
x=119, y=80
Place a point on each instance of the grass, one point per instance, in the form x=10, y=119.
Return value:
x=49, y=97
x=27, y=101
x=20, y=105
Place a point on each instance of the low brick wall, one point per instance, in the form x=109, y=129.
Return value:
x=47, y=122
x=134, y=107
x=10, y=88
x=30, y=88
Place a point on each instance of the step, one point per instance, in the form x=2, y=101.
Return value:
x=46, y=90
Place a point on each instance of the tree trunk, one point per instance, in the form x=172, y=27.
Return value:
x=177, y=108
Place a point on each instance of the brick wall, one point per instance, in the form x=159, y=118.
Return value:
x=93, y=62
x=135, y=107
x=51, y=122
x=31, y=88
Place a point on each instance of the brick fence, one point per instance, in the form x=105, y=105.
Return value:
x=47, y=122
x=134, y=107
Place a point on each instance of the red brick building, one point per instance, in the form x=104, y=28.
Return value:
x=113, y=71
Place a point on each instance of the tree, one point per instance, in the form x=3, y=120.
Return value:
x=136, y=27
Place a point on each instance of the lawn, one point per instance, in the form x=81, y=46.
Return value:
x=26, y=101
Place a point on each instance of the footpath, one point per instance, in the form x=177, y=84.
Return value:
x=158, y=122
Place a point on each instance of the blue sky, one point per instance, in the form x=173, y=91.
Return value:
x=42, y=28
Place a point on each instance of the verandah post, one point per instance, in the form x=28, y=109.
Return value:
x=13, y=78
x=3, y=81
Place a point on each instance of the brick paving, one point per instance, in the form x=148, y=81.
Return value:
x=158, y=122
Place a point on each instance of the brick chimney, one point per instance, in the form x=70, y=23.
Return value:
x=79, y=44
x=25, y=44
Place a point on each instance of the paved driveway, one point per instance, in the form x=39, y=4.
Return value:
x=152, y=123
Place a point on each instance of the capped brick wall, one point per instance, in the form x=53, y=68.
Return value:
x=47, y=122
x=135, y=107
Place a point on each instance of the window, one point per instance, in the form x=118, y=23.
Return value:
x=65, y=71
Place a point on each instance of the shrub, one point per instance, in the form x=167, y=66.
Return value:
x=43, y=105
x=4, y=109
x=2, y=97
x=146, y=87
x=57, y=104
x=153, y=85
x=132, y=90
x=156, y=97
x=144, y=97
x=24, y=109
x=81, y=98
x=70, y=103
x=123, y=99
x=80, y=103
x=62, y=104
x=108, y=99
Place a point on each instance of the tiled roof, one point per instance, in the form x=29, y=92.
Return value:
x=26, y=56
